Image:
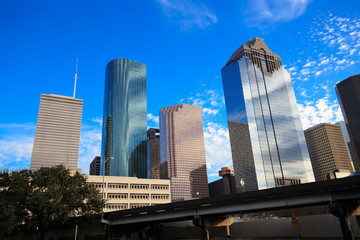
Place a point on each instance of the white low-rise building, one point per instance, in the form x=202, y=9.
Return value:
x=131, y=192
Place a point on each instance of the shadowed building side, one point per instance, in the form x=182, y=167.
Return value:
x=348, y=92
x=153, y=153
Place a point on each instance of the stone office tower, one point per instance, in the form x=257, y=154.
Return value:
x=182, y=151
x=124, y=119
x=348, y=92
x=153, y=153
x=327, y=150
x=266, y=136
x=57, y=136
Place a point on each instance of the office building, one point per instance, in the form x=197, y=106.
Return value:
x=348, y=92
x=123, y=146
x=225, y=185
x=130, y=192
x=327, y=150
x=347, y=142
x=95, y=166
x=153, y=153
x=266, y=136
x=57, y=135
x=182, y=151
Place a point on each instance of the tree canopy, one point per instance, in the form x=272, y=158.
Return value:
x=33, y=200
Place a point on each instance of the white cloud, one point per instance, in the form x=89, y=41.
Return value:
x=265, y=12
x=292, y=69
x=217, y=147
x=151, y=117
x=339, y=62
x=309, y=64
x=322, y=111
x=210, y=111
x=305, y=71
x=344, y=47
x=25, y=126
x=324, y=62
x=90, y=143
x=16, y=152
x=318, y=73
x=188, y=13
x=337, y=39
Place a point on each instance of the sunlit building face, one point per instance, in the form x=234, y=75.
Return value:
x=266, y=136
x=182, y=151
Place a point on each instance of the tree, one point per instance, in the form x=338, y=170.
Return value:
x=14, y=190
x=49, y=196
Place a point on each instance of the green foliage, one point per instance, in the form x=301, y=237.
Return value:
x=47, y=196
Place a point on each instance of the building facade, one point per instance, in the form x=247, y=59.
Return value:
x=123, y=146
x=182, y=151
x=95, y=166
x=348, y=143
x=153, y=153
x=130, y=192
x=57, y=135
x=225, y=185
x=327, y=149
x=266, y=136
x=348, y=92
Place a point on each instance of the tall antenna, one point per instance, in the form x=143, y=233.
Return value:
x=77, y=58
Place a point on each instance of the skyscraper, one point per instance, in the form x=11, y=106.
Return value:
x=327, y=149
x=94, y=168
x=182, y=151
x=123, y=146
x=153, y=153
x=266, y=136
x=57, y=136
x=348, y=92
x=348, y=143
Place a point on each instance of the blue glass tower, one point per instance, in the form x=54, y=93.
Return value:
x=267, y=141
x=124, y=128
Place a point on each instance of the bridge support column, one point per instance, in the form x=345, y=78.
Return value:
x=219, y=221
x=343, y=210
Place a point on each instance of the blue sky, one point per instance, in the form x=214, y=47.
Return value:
x=184, y=44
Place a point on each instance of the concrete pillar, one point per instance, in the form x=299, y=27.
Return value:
x=343, y=210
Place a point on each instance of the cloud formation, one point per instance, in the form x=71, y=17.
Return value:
x=152, y=118
x=321, y=111
x=217, y=148
x=188, y=14
x=335, y=41
x=267, y=12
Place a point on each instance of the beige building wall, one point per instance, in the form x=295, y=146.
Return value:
x=131, y=192
x=182, y=151
x=327, y=150
x=57, y=136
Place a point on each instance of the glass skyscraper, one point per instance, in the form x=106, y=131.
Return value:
x=266, y=136
x=348, y=92
x=124, y=120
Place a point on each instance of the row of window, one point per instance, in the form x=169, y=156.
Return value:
x=132, y=186
x=136, y=196
x=116, y=206
x=118, y=185
x=134, y=205
x=117, y=196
